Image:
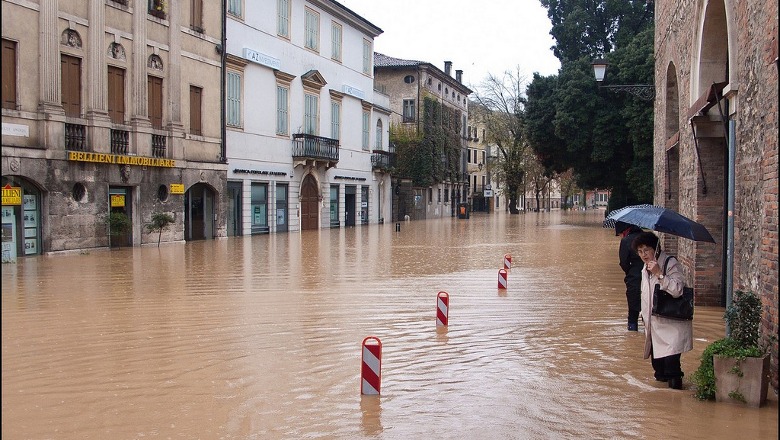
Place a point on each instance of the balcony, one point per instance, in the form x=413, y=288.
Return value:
x=75, y=137
x=120, y=141
x=158, y=145
x=382, y=160
x=308, y=149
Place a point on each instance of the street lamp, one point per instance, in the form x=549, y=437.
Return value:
x=645, y=92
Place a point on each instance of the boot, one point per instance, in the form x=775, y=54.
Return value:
x=675, y=383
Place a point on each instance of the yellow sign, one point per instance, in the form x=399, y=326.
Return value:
x=177, y=188
x=117, y=200
x=80, y=156
x=12, y=195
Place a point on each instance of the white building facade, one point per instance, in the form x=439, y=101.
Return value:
x=303, y=119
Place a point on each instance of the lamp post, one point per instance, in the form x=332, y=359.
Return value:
x=645, y=92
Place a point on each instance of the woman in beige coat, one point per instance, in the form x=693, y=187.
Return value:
x=665, y=339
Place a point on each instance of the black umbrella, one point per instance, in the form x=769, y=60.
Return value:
x=659, y=219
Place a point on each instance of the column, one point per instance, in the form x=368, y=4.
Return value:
x=174, y=64
x=140, y=100
x=49, y=62
x=97, y=99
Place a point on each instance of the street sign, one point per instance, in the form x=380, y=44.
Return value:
x=488, y=193
x=488, y=187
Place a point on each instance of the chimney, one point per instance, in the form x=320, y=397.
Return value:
x=448, y=68
x=459, y=76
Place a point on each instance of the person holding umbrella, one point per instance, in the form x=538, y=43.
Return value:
x=632, y=268
x=665, y=339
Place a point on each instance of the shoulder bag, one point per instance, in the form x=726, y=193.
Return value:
x=667, y=306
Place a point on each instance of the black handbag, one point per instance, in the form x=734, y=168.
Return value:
x=667, y=306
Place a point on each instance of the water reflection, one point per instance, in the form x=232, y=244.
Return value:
x=259, y=337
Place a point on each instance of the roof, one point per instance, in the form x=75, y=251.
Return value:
x=383, y=61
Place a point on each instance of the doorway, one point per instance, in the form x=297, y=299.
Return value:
x=310, y=202
x=199, y=212
x=234, y=226
x=121, y=216
x=350, y=199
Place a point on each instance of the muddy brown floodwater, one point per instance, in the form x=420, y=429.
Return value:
x=260, y=338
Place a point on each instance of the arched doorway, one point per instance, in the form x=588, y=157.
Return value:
x=199, y=212
x=310, y=203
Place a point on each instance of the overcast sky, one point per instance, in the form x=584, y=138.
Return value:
x=478, y=36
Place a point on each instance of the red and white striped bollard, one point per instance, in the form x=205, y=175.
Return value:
x=508, y=261
x=442, y=308
x=502, y=278
x=371, y=366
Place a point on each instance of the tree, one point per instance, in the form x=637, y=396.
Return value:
x=118, y=224
x=160, y=221
x=501, y=101
x=606, y=138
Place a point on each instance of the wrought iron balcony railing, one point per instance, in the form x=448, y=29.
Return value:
x=308, y=146
x=382, y=160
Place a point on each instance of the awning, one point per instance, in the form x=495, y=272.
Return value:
x=707, y=99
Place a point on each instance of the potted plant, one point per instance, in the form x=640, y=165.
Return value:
x=160, y=221
x=118, y=224
x=736, y=368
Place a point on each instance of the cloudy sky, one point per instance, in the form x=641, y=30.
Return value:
x=478, y=36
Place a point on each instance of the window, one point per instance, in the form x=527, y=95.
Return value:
x=335, y=35
x=335, y=119
x=469, y=159
x=196, y=15
x=283, y=18
x=438, y=197
x=367, y=55
x=196, y=121
x=157, y=8
x=9, y=74
x=116, y=95
x=409, y=109
x=311, y=114
x=155, y=101
x=408, y=79
x=233, y=117
x=234, y=8
x=282, y=110
x=71, y=85
x=312, y=30
x=446, y=195
x=378, y=145
x=366, y=130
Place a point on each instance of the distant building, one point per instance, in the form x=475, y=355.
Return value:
x=411, y=86
x=303, y=119
x=482, y=190
x=110, y=106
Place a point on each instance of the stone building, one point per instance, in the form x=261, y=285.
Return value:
x=716, y=144
x=411, y=84
x=110, y=106
x=480, y=196
x=303, y=119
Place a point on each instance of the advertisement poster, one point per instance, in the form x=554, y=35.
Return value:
x=30, y=246
x=9, y=239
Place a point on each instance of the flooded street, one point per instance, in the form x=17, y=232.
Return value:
x=260, y=338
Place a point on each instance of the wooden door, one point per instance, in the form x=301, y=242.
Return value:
x=310, y=204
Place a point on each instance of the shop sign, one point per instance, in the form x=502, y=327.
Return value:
x=177, y=188
x=12, y=195
x=80, y=156
x=117, y=200
x=262, y=59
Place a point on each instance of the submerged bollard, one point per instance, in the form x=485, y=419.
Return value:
x=371, y=366
x=502, y=278
x=507, y=261
x=442, y=308
x=397, y=227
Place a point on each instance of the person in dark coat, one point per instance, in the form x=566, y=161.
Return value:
x=632, y=265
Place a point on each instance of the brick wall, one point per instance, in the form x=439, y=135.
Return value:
x=752, y=95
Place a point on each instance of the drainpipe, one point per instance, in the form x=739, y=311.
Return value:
x=222, y=91
x=730, y=218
